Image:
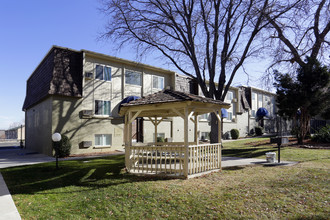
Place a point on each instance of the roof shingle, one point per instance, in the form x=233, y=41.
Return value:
x=166, y=96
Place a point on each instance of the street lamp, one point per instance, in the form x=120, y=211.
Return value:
x=56, y=137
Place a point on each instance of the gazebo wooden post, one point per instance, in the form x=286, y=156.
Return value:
x=127, y=153
x=219, y=137
x=186, y=143
x=129, y=139
x=196, y=139
x=156, y=129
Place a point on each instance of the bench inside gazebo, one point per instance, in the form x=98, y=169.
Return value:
x=178, y=159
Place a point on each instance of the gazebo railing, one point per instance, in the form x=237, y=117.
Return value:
x=169, y=159
x=204, y=157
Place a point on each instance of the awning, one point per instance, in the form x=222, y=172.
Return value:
x=127, y=100
x=224, y=113
x=262, y=112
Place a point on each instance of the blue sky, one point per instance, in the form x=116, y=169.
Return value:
x=28, y=31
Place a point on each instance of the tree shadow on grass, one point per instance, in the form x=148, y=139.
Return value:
x=246, y=152
x=89, y=174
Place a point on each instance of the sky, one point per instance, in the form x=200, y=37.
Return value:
x=30, y=28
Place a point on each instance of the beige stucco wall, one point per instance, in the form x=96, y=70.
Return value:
x=21, y=133
x=66, y=120
x=149, y=130
x=116, y=89
x=38, y=123
x=66, y=114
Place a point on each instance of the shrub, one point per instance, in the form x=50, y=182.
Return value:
x=323, y=135
x=160, y=139
x=234, y=133
x=64, y=146
x=258, y=130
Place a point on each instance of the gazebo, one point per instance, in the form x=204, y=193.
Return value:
x=179, y=159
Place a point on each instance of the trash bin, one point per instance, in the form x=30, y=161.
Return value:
x=270, y=157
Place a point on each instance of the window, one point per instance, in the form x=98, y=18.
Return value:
x=204, y=116
x=230, y=116
x=103, y=72
x=253, y=114
x=157, y=82
x=161, y=135
x=230, y=96
x=205, y=135
x=260, y=102
x=254, y=96
x=266, y=99
x=103, y=140
x=102, y=107
x=133, y=78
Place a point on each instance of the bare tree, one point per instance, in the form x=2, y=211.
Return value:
x=302, y=37
x=302, y=31
x=207, y=40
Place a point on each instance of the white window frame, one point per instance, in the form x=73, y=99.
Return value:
x=230, y=116
x=159, y=134
x=154, y=77
x=103, y=139
x=103, y=72
x=206, y=137
x=134, y=72
x=103, y=105
x=230, y=95
x=253, y=113
x=254, y=96
x=204, y=117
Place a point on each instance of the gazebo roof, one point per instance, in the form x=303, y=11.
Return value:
x=162, y=104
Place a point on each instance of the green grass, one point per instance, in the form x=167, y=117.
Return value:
x=99, y=189
x=258, y=147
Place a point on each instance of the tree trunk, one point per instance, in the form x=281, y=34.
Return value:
x=304, y=126
x=214, y=129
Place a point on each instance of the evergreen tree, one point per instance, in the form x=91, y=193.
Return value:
x=304, y=96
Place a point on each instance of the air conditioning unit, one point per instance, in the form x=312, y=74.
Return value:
x=88, y=75
x=86, y=113
x=85, y=144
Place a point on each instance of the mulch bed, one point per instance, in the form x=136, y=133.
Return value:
x=294, y=143
x=97, y=154
x=308, y=144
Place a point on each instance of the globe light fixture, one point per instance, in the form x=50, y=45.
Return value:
x=56, y=137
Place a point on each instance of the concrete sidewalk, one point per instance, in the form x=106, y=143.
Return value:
x=19, y=157
x=238, y=161
x=8, y=209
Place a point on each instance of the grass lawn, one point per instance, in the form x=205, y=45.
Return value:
x=99, y=189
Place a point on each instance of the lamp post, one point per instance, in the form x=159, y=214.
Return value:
x=56, y=137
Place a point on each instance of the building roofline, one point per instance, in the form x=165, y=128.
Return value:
x=207, y=81
x=125, y=61
x=260, y=90
x=48, y=53
x=112, y=58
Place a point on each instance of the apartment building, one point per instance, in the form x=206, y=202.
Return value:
x=78, y=94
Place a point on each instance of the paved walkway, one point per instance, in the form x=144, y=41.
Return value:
x=8, y=209
x=19, y=157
